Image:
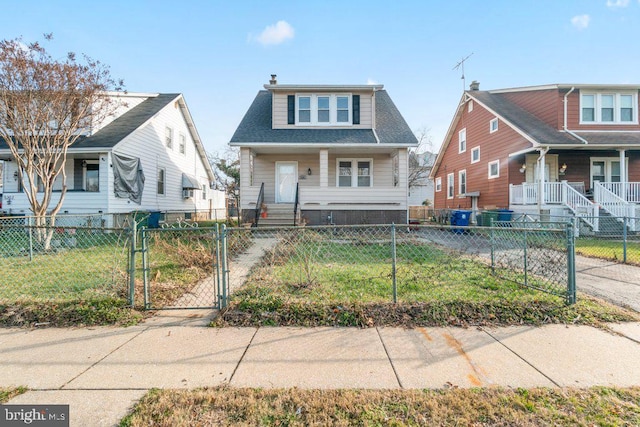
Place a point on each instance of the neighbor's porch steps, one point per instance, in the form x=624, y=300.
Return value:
x=279, y=215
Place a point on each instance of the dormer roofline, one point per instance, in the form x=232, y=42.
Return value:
x=567, y=86
x=322, y=88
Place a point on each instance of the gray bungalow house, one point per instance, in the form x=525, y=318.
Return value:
x=323, y=154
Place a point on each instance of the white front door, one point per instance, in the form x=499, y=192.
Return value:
x=286, y=180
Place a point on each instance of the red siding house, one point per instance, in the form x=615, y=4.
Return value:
x=561, y=149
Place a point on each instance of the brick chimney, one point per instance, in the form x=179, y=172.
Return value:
x=274, y=79
x=475, y=85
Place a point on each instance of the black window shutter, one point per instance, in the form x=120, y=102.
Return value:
x=291, y=109
x=355, y=103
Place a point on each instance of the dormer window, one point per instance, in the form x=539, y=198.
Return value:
x=324, y=110
x=614, y=108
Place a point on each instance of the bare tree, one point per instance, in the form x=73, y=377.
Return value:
x=420, y=161
x=46, y=104
x=226, y=169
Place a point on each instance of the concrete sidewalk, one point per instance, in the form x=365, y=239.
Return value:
x=102, y=372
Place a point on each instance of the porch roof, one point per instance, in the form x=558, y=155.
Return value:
x=256, y=127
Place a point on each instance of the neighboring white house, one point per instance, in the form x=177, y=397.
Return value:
x=151, y=136
x=422, y=188
x=336, y=153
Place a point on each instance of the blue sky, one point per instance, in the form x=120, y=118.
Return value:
x=220, y=53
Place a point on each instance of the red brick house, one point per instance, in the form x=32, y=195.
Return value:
x=561, y=149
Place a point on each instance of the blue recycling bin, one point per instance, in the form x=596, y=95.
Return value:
x=505, y=214
x=460, y=218
x=154, y=219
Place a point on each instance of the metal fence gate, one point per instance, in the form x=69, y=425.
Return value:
x=182, y=268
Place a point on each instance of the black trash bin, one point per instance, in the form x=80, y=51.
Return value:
x=460, y=218
x=154, y=219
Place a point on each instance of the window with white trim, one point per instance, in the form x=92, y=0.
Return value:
x=450, y=186
x=475, y=154
x=470, y=106
x=161, y=181
x=168, y=137
x=204, y=192
x=494, y=169
x=616, y=108
x=354, y=173
x=462, y=141
x=493, y=125
x=323, y=109
x=438, y=184
x=182, y=144
x=91, y=175
x=462, y=182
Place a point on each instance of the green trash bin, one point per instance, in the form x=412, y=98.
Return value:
x=479, y=220
x=488, y=217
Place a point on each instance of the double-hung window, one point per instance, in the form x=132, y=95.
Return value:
x=438, y=184
x=613, y=108
x=462, y=141
x=324, y=109
x=182, y=141
x=161, y=181
x=450, y=186
x=354, y=173
x=168, y=137
x=462, y=182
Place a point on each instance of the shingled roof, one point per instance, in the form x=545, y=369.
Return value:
x=256, y=127
x=122, y=126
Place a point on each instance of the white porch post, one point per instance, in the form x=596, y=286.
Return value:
x=324, y=167
x=541, y=166
x=623, y=175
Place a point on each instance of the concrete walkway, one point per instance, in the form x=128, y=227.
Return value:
x=614, y=282
x=101, y=372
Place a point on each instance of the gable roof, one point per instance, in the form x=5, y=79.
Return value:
x=256, y=127
x=122, y=126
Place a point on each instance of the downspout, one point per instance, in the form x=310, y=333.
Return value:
x=566, y=101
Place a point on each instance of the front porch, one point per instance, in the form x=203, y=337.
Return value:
x=615, y=199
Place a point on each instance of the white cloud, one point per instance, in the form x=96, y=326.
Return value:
x=370, y=81
x=617, y=3
x=275, y=34
x=580, y=21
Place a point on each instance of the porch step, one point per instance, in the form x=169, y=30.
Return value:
x=608, y=225
x=278, y=215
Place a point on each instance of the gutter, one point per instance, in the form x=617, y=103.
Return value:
x=565, y=101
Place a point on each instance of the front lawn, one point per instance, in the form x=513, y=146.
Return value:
x=608, y=249
x=350, y=285
x=461, y=407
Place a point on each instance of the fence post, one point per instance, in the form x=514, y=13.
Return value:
x=393, y=263
x=493, y=244
x=30, y=224
x=216, y=260
x=132, y=263
x=526, y=283
x=571, y=263
x=624, y=239
x=145, y=266
x=223, y=256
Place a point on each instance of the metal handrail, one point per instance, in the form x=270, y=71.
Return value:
x=295, y=204
x=259, y=205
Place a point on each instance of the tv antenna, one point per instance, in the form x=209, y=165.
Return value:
x=460, y=66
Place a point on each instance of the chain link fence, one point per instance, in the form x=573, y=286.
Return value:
x=403, y=263
x=61, y=263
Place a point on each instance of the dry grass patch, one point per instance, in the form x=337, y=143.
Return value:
x=8, y=393
x=467, y=407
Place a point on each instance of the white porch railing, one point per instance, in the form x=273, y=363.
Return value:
x=628, y=191
x=613, y=203
x=556, y=193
